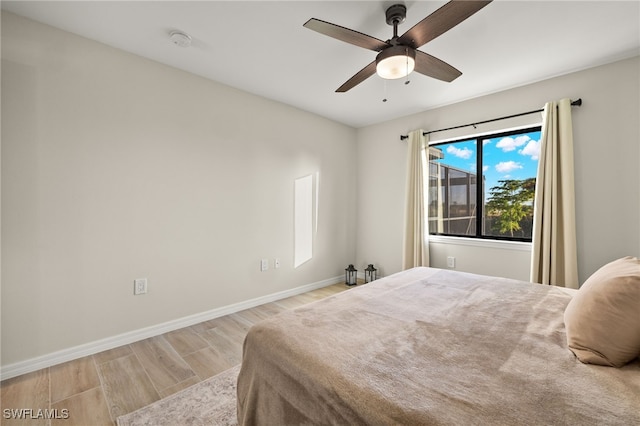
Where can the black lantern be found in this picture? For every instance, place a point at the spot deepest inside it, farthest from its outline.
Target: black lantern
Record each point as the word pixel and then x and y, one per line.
pixel 350 275
pixel 370 273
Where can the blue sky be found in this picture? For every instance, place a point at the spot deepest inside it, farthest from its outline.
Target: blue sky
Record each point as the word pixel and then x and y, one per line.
pixel 510 157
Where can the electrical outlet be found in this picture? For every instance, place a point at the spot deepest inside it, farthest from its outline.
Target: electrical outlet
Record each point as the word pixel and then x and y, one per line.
pixel 139 286
pixel 451 262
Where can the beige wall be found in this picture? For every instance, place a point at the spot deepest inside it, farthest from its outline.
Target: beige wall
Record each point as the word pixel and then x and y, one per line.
pixel 607 139
pixel 115 167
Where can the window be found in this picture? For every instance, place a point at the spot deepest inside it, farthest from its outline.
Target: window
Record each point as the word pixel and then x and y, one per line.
pixel 484 186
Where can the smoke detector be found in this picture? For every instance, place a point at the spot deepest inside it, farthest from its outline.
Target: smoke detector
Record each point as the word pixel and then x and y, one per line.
pixel 180 39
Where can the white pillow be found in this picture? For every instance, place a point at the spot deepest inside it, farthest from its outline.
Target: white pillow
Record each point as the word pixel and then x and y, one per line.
pixel 603 318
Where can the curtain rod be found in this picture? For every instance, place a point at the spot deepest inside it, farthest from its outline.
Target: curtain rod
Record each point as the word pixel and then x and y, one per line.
pixel 577 102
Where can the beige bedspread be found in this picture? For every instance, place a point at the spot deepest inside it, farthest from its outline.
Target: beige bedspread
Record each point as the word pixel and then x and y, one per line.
pixel 429 347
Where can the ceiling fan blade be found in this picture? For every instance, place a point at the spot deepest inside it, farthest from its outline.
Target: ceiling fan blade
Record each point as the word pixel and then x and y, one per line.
pixel 434 67
pixel 345 34
pixel 358 78
pixel 440 21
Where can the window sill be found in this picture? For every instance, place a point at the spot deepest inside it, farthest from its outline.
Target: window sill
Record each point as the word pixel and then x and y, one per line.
pixel 479 242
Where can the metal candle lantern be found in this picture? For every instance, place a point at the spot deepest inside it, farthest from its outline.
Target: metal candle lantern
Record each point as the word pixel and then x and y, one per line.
pixel 350 275
pixel 370 273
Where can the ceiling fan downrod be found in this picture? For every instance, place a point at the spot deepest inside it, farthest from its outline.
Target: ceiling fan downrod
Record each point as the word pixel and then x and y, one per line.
pixel 396 15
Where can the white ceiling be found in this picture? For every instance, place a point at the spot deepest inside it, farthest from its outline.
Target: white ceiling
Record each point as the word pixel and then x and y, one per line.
pixel 261 46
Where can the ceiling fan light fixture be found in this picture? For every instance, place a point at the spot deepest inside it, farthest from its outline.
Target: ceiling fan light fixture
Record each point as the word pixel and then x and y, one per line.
pixel 395 62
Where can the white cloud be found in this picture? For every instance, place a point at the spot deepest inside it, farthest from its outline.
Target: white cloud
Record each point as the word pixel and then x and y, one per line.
pixel 532 149
pixel 508 166
pixel 509 144
pixel 485 168
pixel 464 153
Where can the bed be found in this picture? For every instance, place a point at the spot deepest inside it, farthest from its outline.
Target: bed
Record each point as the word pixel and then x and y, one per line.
pixel 430 347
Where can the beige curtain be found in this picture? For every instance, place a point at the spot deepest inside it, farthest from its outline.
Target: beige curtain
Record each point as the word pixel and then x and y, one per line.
pixel 553 254
pixel 416 245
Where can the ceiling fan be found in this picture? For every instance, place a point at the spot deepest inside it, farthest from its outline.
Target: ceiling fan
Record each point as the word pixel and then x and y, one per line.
pixel 399 56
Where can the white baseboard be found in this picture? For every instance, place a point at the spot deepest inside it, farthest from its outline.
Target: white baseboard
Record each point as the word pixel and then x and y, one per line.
pixel 65 355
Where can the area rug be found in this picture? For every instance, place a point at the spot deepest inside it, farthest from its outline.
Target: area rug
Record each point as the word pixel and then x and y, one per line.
pixel 210 402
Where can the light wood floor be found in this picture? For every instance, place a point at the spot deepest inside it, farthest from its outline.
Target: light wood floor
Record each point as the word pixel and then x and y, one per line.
pixel 97 389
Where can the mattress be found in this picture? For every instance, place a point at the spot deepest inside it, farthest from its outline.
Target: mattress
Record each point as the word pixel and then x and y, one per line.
pixel 429 347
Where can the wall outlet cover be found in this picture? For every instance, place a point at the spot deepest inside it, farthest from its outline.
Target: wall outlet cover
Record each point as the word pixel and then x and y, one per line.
pixel 140 286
